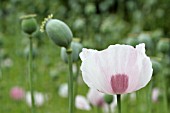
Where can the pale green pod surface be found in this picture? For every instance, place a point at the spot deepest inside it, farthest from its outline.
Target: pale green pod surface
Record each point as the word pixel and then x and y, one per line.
pixel 164 45
pixel 59 32
pixel 76 49
pixel 63 54
pixel 29 25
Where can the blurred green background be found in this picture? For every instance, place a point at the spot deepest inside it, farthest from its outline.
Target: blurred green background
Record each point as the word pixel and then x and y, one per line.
pixel 98 24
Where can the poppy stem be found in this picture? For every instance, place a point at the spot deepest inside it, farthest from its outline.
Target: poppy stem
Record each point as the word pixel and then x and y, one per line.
pixel 30 76
pixel 109 108
pixel 149 97
pixel 70 83
pixel 75 82
pixel 0 68
pixel 165 95
pixel 164 86
pixel 98 109
pixel 119 102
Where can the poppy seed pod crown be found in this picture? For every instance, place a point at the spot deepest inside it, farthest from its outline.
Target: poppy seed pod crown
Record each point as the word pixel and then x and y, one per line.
pixel 59 32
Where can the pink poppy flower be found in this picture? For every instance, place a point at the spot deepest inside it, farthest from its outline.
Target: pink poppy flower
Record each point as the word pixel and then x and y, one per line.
pixel 95 97
pixel 119 69
pixel 17 93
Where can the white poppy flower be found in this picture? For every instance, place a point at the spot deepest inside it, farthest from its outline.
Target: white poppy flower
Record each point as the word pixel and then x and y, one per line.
pixel 119 69
pixel 82 103
pixel 63 90
pixel 39 98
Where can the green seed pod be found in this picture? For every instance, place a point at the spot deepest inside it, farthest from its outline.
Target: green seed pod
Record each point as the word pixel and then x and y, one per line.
pixel 90 8
pixel 156 35
pixel 145 38
pixel 108 99
pixel 29 24
pixel 163 45
pixel 157 67
pixel 76 49
pixel 131 41
pixel 59 32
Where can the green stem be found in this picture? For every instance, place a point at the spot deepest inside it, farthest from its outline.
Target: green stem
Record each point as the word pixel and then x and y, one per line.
pixel 121 7
pixel 164 85
pixel 138 101
pixel 70 83
pixel 30 76
pixel 149 98
pixel 109 108
pixel 165 95
pixel 119 102
pixel 98 109
pixel 75 82
pixel 0 70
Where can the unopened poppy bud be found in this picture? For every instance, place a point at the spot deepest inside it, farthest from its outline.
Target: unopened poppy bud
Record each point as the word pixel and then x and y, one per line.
pixel 59 32
pixel 163 45
pixel 108 98
pixel 156 66
pixel 76 49
pixel 29 24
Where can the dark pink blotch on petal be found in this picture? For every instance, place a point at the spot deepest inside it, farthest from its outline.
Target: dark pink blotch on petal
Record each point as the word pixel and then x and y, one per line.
pixel 119 83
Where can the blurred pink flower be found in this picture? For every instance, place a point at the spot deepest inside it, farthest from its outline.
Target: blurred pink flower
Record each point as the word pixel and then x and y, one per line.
pixel 82 103
pixel 155 94
pixel 17 93
pixel 95 97
pixel 119 69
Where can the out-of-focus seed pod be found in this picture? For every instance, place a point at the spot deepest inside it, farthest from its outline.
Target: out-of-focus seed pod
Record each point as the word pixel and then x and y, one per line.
pixel 108 99
pixel 131 41
pixel 76 49
pixel 90 8
pixel 164 45
pixel 145 38
pixel 59 32
pixel 157 67
pixel 29 24
pixel 156 35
